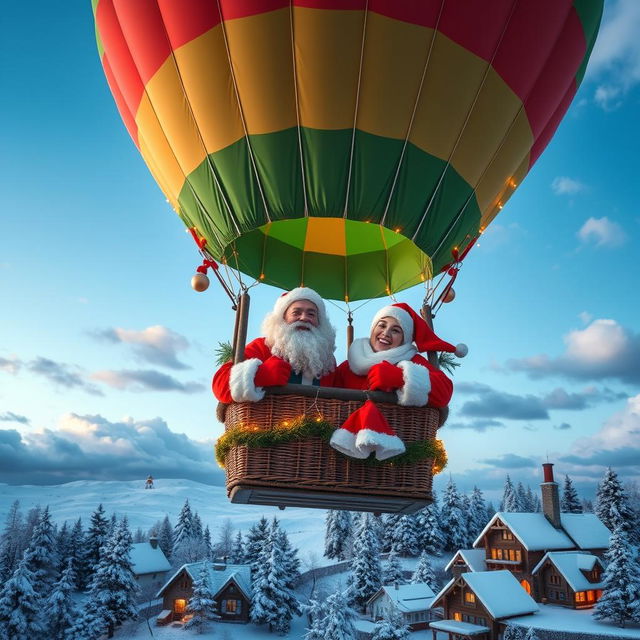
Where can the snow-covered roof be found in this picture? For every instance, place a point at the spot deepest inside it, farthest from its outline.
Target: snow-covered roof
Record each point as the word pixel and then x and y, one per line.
pixel 408 597
pixel 473 558
pixel 219 576
pixel 499 591
pixel 533 530
pixel 570 564
pixel 454 626
pixel 586 529
pixel 146 559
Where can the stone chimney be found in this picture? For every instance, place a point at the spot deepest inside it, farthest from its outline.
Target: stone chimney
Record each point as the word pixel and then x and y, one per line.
pixel 550 496
pixel 153 541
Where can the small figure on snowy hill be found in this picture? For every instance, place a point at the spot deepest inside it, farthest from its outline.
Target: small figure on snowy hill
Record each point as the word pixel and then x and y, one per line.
pixel 297 348
pixel 389 360
pixel 149 482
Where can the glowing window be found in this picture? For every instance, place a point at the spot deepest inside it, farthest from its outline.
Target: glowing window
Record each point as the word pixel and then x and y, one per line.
pixel 179 605
pixel 526 586
pixel 469 597
pixel 581 596
pixel 457 616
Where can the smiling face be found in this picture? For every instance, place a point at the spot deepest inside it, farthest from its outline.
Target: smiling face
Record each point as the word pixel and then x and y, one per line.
pixel 303 311
pixel 386 334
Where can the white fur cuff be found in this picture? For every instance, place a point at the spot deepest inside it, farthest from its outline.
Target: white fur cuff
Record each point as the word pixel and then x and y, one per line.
pixel 344 441
pixel 241 381
pixel 417 385
pixel 385 445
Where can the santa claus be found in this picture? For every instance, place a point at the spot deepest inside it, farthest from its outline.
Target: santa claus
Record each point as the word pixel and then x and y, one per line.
pixel 297 347
pixel 389 360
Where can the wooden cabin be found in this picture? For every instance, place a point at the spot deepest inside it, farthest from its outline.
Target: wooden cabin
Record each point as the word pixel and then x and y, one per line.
pixel 570 579
pixel 466 560
pixel 150 567
pixel 411 601
pixel 476 604
pixel 231 585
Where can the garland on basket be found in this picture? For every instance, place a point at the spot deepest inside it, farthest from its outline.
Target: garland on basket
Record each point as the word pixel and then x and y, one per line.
pixel 304 427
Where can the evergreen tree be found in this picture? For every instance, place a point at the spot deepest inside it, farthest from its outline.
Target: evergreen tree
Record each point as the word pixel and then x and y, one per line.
pixel 337 534
pixel 612 506
pixel 201 605
pixel 63 545
pixel 430 536
pixel 339 623
pixel 255 542
pixel 165 537
pixel 96 536
pixel 32 519
pixel 510 502
pixel 20 606
pixel 405 537
pixel 139 536
pixel 537 505
pixel 225 539
pixel 206 539
pixel 587 505
pixel 290 560
pixel 392 570
pixel 620 599
pixel 531 634
pixel 90 623
pixel 465 505
pixel 366 572
pixel 477 514
pixel 197 531
pixel 237 550
pixel 389 525
pixel 390 627
pixel 513 632
pixel 452 519
pixel 424 573
pixel 41 556
pixel 61 611
pixel 570 503
pixel 316 616
pixel 78 555
pixel 490 511
pixel 522 497
pixel 530 505
pixel 183 530
pixel 10 542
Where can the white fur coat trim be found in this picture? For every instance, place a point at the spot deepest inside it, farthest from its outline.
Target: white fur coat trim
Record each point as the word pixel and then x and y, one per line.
pixel 344 441
pixel 417 385
pixel 385 445
pixel 362 357
pixel 241 381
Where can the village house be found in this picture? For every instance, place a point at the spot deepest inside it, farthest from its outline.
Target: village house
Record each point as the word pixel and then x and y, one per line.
pixel 150 567
pixel 467 560
pixel 477 604
pixel 412 601
pixel 230 583
pixel 569 578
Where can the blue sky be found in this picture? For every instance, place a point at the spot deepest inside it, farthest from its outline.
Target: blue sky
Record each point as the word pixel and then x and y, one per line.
pixel 106 353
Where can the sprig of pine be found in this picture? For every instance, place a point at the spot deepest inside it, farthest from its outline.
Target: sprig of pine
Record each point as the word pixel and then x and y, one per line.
pixel 224 353
pixel 448 362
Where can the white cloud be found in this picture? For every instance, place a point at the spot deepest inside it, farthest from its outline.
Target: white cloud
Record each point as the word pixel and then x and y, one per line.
pixel 585 316
pixel 608 97
pixel 562 185
pixel 144 380
pixel 602 232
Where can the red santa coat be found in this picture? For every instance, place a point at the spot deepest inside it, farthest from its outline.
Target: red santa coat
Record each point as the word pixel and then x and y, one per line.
pixel 423 383
pixel 235 382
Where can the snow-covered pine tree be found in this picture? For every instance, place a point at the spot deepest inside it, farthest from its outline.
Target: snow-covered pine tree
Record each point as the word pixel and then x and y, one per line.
pixel 366 572
pixel 587 505
pixel 20 606
pixel 612 505
pixel 424 573
pixel 339 623
pixel 453 521
pixel 96 536
pixel 165 537
pixel 569 503
pixel 522 497
pixel 184 526
pixel 201 605
pixel 139 536
pixel 63 546
pixel 61 610
pixel 255 541
pixel 392 570
pixel 290 559
pixel 405 539
pixel 620 600
pixel 208 547
pixel 389 524
pixel 197 530
pixel 78 555
pixel 32 519
pixel 531 634
pixel 477 514
pixel 430 536
pixel 41 556
pixel 337 537
pixel 237 550
pixel 513 632
pixel 490 511
pixel 113 590
pixel 390 627
pixel 530 505
pixel 90 622
pixel 224 541
pixel 510 502
pixel 316 614
pixel 10 542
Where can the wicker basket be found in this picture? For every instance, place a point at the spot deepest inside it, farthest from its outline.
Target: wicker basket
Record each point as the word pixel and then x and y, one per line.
pixel 311 473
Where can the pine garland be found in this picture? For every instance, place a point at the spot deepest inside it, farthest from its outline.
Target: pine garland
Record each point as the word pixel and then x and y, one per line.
pixel 305 427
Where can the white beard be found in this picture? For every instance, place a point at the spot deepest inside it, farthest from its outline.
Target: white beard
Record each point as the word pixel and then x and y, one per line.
pixel 308 352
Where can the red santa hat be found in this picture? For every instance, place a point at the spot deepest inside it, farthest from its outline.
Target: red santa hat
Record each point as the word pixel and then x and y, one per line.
pixel 299 293
pixel 416 330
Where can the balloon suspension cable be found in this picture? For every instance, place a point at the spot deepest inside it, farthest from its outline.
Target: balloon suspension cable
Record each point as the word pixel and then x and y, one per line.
pixel 452 269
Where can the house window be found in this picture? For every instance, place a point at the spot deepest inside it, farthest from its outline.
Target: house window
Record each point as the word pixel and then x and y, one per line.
pixel 591 596
pixel 481 621
pixel 581 596
pixel 561 595
pixel 526 586
pixel 179 605
pixel 232 607
pixel 469 598
pixel 185 584
pixel 457 616
pixel 507 535
pixel 553 579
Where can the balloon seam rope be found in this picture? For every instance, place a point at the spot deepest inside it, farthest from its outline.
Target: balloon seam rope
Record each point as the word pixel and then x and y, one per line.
pixel 297 99
pixel 240 110
pixel 355 114
pixel 197 129
pixel 504 139
pixel 175 157
pixel 413 114
pixel 466 121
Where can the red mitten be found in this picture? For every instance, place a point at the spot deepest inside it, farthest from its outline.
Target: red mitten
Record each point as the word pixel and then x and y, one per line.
pixel 273 372
pixel 385 377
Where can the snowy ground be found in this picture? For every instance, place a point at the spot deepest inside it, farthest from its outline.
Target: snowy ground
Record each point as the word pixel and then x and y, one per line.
pixel 577 621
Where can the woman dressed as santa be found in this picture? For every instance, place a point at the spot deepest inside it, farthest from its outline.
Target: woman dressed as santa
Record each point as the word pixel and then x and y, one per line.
pixel 389 360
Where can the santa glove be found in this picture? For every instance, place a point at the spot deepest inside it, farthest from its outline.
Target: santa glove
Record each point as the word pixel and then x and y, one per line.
pixel 273 372
pixel 385 377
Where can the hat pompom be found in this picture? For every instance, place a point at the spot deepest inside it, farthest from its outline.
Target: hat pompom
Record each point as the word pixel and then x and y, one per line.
pixel 461 350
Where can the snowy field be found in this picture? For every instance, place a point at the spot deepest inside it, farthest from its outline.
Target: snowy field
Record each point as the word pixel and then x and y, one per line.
pixel 305 527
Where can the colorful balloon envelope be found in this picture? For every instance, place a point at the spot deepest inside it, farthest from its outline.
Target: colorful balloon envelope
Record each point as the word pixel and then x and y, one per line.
pixel 346 145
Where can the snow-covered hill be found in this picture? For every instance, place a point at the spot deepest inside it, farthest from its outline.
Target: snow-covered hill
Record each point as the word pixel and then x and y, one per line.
pixel 144 507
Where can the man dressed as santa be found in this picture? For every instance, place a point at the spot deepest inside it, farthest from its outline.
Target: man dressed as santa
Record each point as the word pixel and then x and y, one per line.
pixel 297 347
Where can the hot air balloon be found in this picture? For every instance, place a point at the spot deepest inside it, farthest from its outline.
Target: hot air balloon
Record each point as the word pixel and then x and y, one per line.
pixel 357 147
